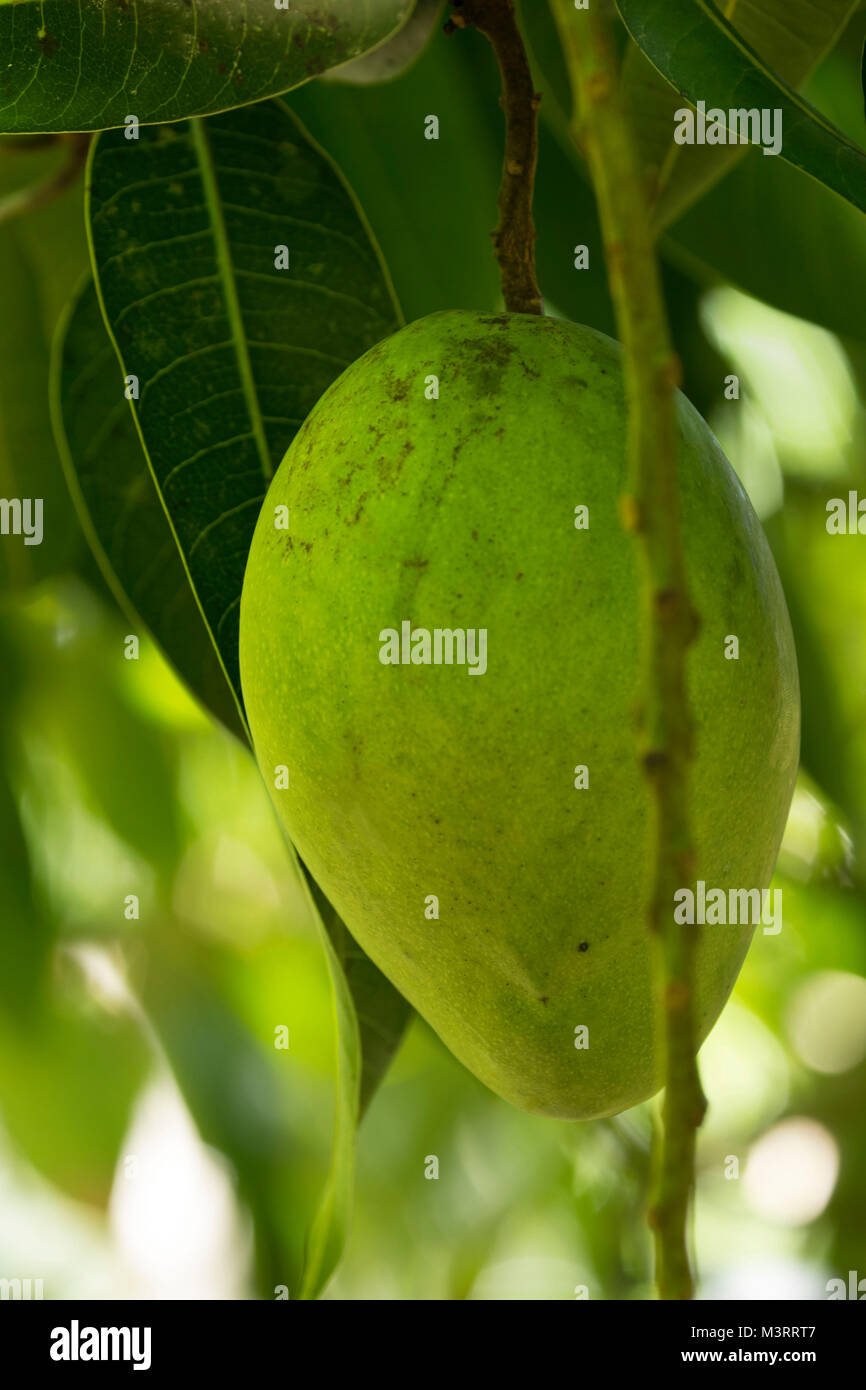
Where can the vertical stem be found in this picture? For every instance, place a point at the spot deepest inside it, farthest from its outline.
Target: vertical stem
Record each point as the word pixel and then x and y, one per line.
pixel 514 238
pixel 669 624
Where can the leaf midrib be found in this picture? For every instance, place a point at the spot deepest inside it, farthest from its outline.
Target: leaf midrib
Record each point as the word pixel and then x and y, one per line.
pixel 225 268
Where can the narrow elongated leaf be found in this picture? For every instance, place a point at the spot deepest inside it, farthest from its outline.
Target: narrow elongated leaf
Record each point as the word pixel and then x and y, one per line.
pixel 327 1234
pixel 791 36
pixel 91 64
pixel 757 230
pixel 118 504
pixel 26 933
pixel 699 53
pixel 229 353
pixel 30 473
pixel 240 1103
pixel 67 1087
pixel 24 936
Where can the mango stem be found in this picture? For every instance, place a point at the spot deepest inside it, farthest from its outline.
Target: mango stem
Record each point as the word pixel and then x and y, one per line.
pixel 514 237
pixel 650 510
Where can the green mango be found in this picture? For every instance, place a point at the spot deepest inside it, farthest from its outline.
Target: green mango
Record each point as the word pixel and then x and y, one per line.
pixel 437 804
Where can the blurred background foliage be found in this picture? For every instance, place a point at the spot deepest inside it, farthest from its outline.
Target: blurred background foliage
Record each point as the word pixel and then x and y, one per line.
pixel 154 1141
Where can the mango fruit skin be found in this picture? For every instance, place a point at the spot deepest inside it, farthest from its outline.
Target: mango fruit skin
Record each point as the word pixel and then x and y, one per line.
pixel 407 781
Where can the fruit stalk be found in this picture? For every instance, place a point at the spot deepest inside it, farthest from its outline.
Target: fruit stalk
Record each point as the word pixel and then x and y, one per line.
pixel 514 237
pixel 650 511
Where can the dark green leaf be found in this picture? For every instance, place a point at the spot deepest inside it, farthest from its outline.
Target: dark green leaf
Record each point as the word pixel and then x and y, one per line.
pixel 758 231
pixel 791 36
pixel 395 56
pixel 119 506
pixel 432 203
pixel 698 52
pixel 90 65
pixel 25 930
pixel 230 353
pixel 24 934
pixel 565 217
pixel 550 72
pixel 30 470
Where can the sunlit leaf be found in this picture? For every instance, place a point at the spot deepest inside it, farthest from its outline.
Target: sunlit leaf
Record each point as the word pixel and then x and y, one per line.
pixel 371 1019
pixel 67 1087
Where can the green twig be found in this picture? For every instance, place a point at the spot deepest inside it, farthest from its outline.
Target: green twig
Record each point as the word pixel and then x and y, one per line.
pixel 514 238
pixel 669 624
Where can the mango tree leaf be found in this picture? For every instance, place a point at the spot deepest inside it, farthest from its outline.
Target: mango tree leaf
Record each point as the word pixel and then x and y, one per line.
pixel 372 1018
pixel 768 249
pixel 238 1099
pixel 26 932
pixel 699 53
pixel 24 936
pixel 52 235
pixel 79 699
pixel 757 231
pixel 791 36
pixel 327 1234
pixel 70 1069
pixel 547 60
pixel 394 57
pixel 90 65
pixel 42 255
pixel 825 582
pixel 67 1086
pixel 29 467
pixel 230 353
pixel 118 504
pixel 431 202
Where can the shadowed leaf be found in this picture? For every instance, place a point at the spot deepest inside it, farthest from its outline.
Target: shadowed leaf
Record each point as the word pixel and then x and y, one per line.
pixel 119 506
pixel 90 65
pixel 704 59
